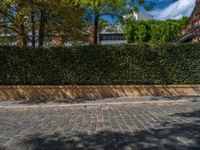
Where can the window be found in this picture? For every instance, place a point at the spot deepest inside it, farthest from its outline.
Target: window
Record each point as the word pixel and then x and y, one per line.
pixel 111 37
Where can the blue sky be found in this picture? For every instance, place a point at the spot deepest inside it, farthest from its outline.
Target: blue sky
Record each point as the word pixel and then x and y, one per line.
pixel 160 4
pixel 170 9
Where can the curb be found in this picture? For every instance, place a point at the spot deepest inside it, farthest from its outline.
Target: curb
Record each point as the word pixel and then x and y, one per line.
pixel 95 104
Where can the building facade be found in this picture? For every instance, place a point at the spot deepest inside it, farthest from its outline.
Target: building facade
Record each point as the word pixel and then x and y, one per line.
pixel 192 30
pixel 112 34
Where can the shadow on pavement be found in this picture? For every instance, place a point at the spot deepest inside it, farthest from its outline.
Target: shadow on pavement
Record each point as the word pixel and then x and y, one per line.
pixel 192 98
pixel 119 99
pixel 38 101
pixel 170 137
pixel 193 114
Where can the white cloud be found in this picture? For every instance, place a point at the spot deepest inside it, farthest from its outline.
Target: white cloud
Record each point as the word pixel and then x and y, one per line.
pixel 175 11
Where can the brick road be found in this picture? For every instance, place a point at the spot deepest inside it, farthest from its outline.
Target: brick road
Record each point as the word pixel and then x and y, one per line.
pixel 124 127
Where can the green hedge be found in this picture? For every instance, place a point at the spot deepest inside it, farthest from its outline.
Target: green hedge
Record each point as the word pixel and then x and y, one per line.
pixel 154 31
pixel 97 65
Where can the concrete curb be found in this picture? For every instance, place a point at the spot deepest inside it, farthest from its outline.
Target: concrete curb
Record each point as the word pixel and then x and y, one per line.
pixel 21 106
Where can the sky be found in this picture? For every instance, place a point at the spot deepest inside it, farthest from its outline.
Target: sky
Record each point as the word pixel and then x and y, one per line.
pixel 168 9
pixel 172 9
pixel 160 4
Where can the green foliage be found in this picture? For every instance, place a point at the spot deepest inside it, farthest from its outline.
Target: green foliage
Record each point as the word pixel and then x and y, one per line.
pixel 102 7
pixel 96 10
pixel 101 65
pixel 151 31
pixel 39 21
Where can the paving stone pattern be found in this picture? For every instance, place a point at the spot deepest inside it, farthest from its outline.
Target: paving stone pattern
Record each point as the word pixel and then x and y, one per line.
pixel 125 127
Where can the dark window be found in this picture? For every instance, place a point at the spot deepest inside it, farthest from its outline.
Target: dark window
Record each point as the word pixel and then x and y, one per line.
pixel 111 37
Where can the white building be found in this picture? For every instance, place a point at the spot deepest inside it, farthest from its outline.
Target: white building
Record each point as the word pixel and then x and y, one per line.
pixel 112 34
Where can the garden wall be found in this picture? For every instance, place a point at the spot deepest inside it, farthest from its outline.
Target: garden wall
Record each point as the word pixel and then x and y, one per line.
pixel 94 92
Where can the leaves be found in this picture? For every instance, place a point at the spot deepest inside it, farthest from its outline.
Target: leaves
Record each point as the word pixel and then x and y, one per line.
pixel 152 31
pixel 61 17
pixel 98 65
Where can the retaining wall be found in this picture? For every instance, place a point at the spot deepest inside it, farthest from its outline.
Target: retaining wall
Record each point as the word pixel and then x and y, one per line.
pixel 95 92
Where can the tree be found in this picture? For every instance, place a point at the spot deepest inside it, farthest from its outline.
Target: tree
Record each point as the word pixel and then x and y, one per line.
pixel 137 5
pixel 114 8
pixel 35 20
pixel 152 31
pixel 98 8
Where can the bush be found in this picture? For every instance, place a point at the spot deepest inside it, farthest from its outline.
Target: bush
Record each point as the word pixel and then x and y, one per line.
pixel 154 31
pixel 101 65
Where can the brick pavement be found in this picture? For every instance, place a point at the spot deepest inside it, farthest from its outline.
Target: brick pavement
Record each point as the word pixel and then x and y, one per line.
pixel 124 127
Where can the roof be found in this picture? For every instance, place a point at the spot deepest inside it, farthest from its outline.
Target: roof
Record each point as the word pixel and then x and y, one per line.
pixel 112 29
pixel 193 33
pixel 192 15
pixel 144 16
pixel 139 16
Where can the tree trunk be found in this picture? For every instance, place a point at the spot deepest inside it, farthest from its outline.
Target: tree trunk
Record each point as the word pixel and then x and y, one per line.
pixel 96 27
pixel 22 25
pixel 23 34
pixel 42 28
pixel 33 26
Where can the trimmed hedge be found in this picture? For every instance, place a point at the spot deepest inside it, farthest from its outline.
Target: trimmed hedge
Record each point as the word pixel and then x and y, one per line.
pixel 101 65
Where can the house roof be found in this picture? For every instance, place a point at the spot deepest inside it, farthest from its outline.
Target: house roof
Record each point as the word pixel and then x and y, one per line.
pixel 144 16
pixel 112 28
pixel 139 16
pixel 192 15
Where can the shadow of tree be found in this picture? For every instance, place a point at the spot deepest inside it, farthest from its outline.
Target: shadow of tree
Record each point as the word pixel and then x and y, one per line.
pixel 43 101
pixel 134 98
pixel 174 136
pixel 189 114
pixel 189 97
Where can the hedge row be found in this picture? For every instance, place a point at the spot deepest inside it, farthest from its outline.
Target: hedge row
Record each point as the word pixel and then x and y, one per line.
pixel 154 31
pixel 101 65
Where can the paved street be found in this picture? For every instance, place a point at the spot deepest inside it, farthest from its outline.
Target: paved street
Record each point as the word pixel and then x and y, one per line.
pixel 126 126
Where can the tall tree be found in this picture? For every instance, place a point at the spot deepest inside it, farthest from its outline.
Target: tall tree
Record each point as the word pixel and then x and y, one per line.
pixel 137 5
pixel 113 8
pixel 99 8
pixel 35 20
